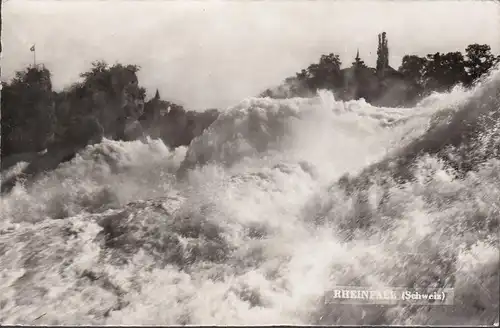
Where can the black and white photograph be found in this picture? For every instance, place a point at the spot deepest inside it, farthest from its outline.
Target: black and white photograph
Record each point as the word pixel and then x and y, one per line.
pixel 274 162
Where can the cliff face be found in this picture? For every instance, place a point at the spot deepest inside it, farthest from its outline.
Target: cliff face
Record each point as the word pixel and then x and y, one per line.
pixel 130 105
pixel 174 125
pixel 105 105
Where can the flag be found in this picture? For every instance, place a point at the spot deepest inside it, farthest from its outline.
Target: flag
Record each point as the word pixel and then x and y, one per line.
pixel 32 48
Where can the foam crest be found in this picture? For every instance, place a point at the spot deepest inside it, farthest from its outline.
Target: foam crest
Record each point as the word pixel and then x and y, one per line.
pixel 100 177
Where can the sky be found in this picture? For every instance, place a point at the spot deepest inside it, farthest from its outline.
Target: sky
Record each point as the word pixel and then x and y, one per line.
pixel 213 54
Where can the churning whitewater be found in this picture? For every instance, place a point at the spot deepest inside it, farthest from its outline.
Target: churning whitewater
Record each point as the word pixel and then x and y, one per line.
pixel 273 206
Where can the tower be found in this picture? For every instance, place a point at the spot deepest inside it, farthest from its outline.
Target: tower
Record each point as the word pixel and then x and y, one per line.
pixel 357 61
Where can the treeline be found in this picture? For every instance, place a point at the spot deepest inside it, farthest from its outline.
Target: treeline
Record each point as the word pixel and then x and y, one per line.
pixel 108 102
pixel 440 71
pixel 415 78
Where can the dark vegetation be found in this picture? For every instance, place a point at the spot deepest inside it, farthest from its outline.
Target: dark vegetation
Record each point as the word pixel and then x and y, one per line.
pixel 44 127
pixel 416 78
pixel 109 102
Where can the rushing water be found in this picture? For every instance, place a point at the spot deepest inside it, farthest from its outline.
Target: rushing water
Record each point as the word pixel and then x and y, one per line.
pixel 248 225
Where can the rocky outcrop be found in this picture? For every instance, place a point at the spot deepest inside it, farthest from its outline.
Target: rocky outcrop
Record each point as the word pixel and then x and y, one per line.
pixel 108 103
pixel 173 124
pixel 180 127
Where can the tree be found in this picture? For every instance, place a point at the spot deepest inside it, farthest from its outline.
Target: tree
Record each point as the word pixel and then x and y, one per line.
pixel 479 60
pixel 382 54
pixel 303 75
pixel 330 62
pixel 443 71
pixel 324 75
pixel 98 67
pixel 28 111
pixel 413 68
pixel 142 93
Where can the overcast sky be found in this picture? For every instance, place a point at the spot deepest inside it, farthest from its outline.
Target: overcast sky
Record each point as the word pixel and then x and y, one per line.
pixel 206 54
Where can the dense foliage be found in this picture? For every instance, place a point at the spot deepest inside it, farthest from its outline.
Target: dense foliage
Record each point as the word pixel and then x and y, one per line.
pixel 107 102
pixel 28 112
pixel 416 77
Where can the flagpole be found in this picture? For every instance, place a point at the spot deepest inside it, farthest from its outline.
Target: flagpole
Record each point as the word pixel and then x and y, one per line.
pixel 34 55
